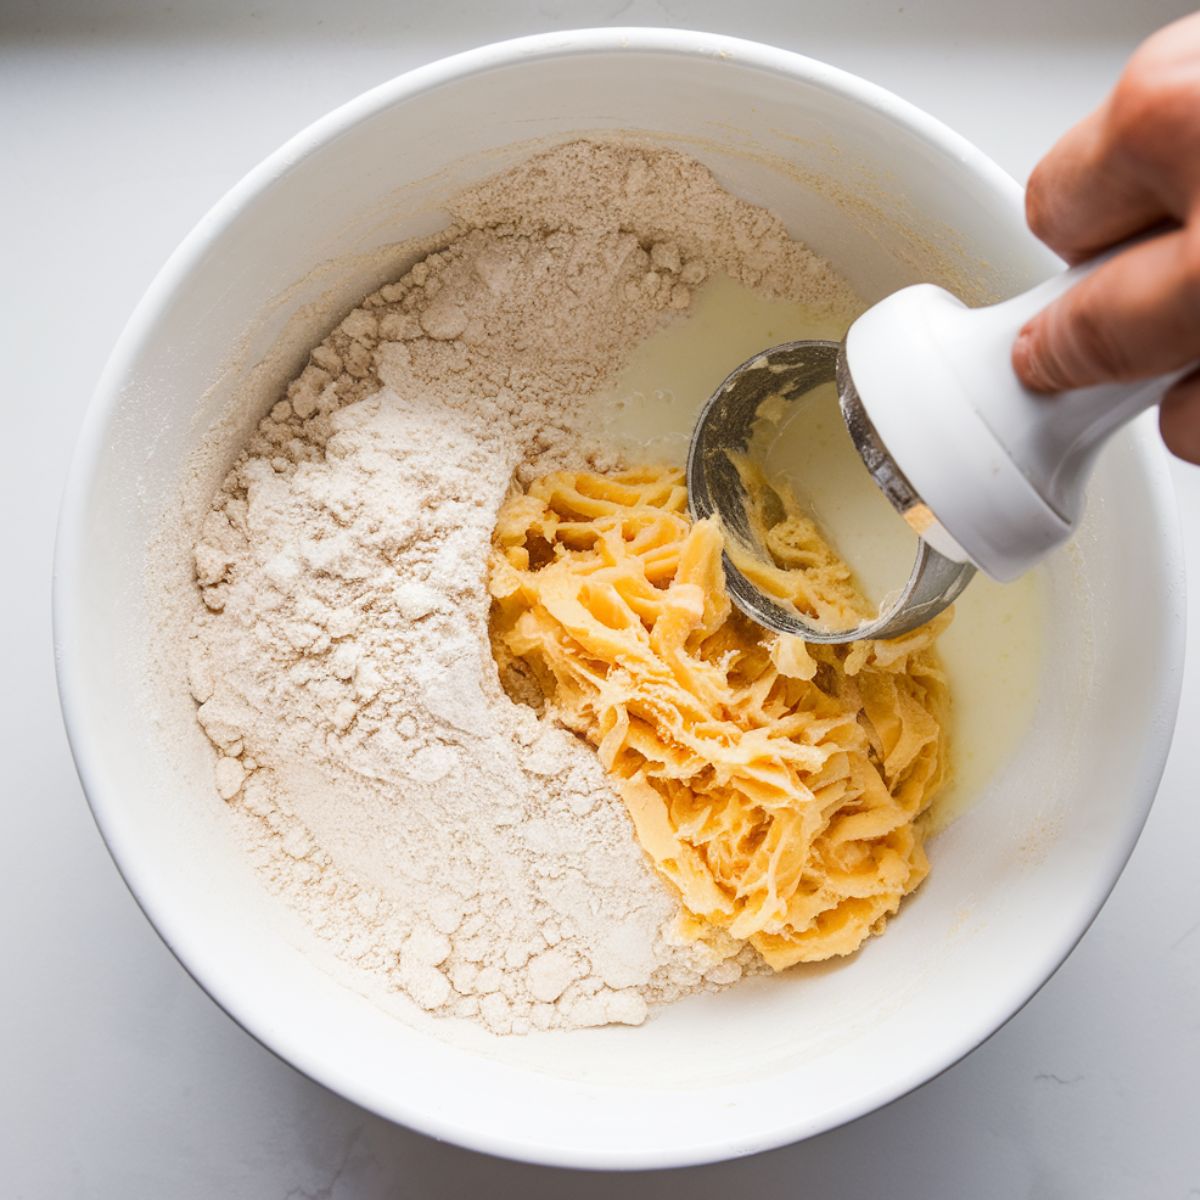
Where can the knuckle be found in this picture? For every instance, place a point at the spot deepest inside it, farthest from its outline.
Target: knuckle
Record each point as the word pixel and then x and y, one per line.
pixel 1155 108
pixel 1081 343
pixel 1095 349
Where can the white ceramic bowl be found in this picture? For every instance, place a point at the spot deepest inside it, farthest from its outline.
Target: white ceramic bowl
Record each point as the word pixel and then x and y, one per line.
pixel 890 196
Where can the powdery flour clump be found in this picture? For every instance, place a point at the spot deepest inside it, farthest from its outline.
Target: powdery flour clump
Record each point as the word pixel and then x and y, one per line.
pixel 439 835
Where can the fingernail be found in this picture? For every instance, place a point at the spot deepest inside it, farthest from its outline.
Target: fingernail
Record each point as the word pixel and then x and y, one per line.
pixel 1025 362
pixel 1020 353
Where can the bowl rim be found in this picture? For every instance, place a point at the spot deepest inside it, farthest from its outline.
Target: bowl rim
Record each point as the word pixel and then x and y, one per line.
pixel 91 445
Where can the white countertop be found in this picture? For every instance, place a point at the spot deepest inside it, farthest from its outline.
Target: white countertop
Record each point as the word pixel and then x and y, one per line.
pixel 122 121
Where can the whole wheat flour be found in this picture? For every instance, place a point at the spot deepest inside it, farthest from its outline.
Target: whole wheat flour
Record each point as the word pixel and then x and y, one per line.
pixel 437 833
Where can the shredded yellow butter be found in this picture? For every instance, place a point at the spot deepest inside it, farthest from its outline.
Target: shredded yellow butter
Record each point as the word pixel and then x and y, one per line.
pixel 776 785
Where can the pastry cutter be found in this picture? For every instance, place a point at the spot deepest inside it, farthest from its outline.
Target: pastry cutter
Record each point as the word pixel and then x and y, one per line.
pixel 988 474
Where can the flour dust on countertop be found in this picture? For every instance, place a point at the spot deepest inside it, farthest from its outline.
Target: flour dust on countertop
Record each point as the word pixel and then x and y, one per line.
pixel 452 843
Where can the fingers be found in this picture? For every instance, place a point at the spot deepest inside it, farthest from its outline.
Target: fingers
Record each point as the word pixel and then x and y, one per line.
pixel 1136 316
pixel 1086 195
pixel 1179 419
pixel 1132 163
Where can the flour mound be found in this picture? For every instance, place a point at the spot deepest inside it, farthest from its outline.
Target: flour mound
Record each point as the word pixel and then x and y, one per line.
pixel 439 836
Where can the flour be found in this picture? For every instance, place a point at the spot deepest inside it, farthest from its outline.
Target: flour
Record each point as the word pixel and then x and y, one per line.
pixel 448 840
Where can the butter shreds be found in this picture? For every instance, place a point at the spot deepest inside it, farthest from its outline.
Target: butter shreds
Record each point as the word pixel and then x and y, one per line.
pixel 777 786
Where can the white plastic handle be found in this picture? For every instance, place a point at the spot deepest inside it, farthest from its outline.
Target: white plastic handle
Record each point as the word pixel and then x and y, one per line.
pixel 1001 470
pixel 1054 439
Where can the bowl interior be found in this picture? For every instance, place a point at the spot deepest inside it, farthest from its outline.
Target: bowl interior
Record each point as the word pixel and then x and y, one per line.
pixel 889 199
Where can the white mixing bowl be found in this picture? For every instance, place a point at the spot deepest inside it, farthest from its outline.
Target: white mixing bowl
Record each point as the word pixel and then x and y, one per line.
pixel 890 196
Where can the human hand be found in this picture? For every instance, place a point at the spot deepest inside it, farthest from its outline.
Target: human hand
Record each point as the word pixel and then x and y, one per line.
pixel 1132 166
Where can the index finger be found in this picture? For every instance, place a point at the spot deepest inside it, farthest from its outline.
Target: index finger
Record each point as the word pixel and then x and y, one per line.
pixel 1133 163
pixel 1085 194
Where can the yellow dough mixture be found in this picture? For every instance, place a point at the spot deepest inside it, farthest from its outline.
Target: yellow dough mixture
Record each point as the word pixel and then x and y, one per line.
pixel 777 786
